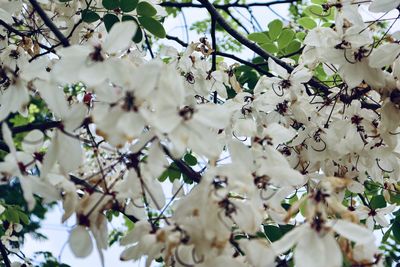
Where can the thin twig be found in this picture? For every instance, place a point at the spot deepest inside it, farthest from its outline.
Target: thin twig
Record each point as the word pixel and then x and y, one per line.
pixel 253 46
pixel 49 23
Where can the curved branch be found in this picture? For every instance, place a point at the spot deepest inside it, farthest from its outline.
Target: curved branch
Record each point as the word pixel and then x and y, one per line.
pixel 236 20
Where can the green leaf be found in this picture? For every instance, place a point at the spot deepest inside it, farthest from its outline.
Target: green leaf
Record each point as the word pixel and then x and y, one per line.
pixel 163 176
pixel 270 48
pixel 259 37
pixel 327 24
pixel 110 4
pixel 186 179
pixel 109 21
pixel 386 235
pixel 307 23
pixel 301 35
pixel 145 9
pixel 293 46
pixel 89 16
pixel 396 230
pixel 275 28
pixel 190 159
pixel 273 232
pixel 12 215
pixel 315 11
pixel 285 37
pixel 378 202
pixel 153 26
pixel 139 34
pixel 173 172
pixel 128 5
pixel 286 228
pixel 23 217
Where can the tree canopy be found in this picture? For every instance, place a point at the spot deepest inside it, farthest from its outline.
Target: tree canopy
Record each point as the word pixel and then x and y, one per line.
pixel 271 142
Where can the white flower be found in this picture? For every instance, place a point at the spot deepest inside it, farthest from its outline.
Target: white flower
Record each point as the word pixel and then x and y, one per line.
pixel 375 215
pixel 315 248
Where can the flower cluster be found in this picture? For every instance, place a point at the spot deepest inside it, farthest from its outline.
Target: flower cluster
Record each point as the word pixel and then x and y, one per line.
pixel 287 154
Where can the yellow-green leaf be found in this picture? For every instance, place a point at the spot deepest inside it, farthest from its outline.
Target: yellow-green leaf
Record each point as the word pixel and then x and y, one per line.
pixel 259 37
pixel 285 37
pixel 275 28
pixel 307 23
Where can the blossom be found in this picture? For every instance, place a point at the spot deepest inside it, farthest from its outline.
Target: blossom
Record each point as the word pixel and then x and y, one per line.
pixel 317 246
pixel 374 215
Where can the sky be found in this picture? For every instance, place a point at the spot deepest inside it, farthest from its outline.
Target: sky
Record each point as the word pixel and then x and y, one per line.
pixel 57 233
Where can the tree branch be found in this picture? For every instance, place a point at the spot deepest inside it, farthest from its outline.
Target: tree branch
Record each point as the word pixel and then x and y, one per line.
pixel 183 167
pixel 214 45
pixel 223 54
pixel 9 28
pixel 253 46
pixel 36 126
pixel 4 255
pixel 49 23
pixel 176 39
pixel 236 20
pixel 85 184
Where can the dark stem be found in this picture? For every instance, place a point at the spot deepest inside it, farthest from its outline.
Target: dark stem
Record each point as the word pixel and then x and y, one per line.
pixel 148 45
pixel 4 255
pixel 49 23
pixel 214 45
pixel 10 29
pixel 236 20
pixel 183 167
